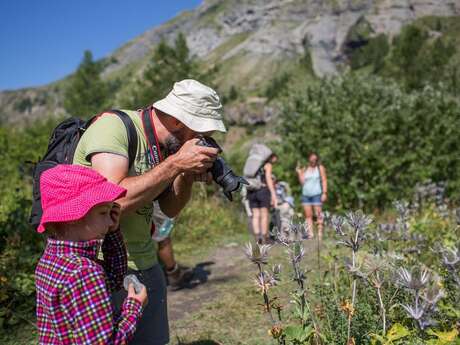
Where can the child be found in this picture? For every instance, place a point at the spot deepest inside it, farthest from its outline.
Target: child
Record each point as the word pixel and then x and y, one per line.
pixel 73 303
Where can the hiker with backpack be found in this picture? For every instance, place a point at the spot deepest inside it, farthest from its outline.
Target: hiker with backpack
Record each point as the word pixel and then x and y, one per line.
pixel 313 180
pixel 284 212
pixel 155 154
pixel 261 194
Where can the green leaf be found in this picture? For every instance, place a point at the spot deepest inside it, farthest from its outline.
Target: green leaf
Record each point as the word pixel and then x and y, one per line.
pixel 397 331
pixel 298 333
pixel 377 337
pixel 293 332
pixel 443 338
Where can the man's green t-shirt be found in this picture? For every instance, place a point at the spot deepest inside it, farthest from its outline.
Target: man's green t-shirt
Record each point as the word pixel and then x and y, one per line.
pixel 108 134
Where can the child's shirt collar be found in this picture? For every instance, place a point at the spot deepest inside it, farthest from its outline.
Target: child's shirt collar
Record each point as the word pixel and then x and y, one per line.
pixel 88 249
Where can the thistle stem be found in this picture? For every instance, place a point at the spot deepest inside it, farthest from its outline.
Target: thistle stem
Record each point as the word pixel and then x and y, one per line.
pixel 353 295
pixel 266 299
pixel 382 309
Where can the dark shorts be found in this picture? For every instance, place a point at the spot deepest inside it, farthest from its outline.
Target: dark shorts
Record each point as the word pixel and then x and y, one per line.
pixel 314 200
pixel 260 198
pixel 153 328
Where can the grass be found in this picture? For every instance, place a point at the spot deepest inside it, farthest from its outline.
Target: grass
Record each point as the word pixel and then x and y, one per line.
pixel 237 316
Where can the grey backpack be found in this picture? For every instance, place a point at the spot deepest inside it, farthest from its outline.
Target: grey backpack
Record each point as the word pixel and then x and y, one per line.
pixel 258 155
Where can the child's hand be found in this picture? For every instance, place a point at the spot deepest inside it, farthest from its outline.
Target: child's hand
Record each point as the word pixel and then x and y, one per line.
pixel 141 296
pixel 115 213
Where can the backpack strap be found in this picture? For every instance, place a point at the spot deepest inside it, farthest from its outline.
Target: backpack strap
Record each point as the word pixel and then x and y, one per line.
pixel 132 134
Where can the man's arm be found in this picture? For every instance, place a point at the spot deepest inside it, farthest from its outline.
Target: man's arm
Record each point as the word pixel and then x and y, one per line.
pixel 174 201
pixel 191 159
pixel 141 189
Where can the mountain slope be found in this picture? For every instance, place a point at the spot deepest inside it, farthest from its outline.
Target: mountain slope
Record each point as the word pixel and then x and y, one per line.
pixel 252 40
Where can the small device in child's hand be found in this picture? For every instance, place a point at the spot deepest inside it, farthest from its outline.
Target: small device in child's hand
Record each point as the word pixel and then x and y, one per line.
pixel 132 279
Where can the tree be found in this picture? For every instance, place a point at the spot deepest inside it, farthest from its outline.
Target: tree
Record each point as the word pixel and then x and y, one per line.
pixel 86 94
pixel 419 60
pixel 169 64
pixel 375 139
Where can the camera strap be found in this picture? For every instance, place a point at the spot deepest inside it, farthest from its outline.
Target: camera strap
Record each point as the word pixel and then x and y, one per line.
pixel 152 139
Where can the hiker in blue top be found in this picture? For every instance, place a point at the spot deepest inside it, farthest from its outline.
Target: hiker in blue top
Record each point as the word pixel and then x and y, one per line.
pixel 314 192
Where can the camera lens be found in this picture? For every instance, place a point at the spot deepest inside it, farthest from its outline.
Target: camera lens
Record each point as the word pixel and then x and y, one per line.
pixel 222 174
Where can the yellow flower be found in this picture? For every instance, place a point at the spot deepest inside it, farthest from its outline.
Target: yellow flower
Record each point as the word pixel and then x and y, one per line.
pixel 347 308
pixel 276 331
pixel 351 341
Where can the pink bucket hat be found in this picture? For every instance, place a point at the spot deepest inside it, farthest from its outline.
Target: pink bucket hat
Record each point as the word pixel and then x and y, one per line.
pixel 68 192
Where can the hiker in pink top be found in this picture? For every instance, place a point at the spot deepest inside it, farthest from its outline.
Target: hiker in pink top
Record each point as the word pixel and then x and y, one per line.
pixel 80 218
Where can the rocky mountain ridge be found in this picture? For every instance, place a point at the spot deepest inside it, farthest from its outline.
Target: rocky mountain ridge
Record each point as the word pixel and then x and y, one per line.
pixel 250 38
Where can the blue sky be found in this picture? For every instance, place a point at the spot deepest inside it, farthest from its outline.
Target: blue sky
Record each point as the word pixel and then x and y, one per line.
pixel 43 40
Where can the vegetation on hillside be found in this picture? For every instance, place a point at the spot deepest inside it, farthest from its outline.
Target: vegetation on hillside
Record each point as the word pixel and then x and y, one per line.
pixel 168 65
pixel 376 140
pixel 388 124
pixel 87 94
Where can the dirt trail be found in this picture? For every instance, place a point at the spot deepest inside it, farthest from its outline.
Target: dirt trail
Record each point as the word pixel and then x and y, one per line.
pixel 223 265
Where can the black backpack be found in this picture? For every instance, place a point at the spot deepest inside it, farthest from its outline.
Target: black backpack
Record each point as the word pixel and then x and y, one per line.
pixel 61 148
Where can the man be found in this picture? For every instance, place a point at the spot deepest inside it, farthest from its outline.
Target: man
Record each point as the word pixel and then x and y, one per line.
pixel 189 110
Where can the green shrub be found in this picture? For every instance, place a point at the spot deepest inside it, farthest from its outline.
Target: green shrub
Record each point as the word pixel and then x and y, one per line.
pixel 417 60
pixel 206 221
pixel 375 140
pixel 20 246
pixel 372 53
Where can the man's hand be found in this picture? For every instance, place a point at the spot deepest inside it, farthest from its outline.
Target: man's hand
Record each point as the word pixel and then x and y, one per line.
pixel 193 159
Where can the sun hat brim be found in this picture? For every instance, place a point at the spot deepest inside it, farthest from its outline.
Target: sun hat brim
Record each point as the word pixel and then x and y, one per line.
pixel 76 208
pixel 194 120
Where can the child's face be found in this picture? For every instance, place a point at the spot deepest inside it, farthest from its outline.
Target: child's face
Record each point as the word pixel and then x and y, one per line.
pixel 98 221
pixel 94 225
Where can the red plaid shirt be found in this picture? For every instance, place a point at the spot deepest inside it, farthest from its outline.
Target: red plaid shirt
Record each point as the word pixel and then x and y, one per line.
pixel 73 302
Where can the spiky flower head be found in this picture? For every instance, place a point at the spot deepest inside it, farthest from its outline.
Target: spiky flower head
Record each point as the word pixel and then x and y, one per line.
pixel 274 277
pixel 415 279
pixel 264 281
pixel 415 312
pixel 374 263
pixel 354 270
pixel 337 223
pixel 433 294
pixel 450 256
pixel 358 220
pixel 258 253
pixel 297 252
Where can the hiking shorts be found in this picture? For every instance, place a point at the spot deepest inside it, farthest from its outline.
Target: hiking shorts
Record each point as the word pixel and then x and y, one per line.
pixel 153 327
pixel 314 200
pixel 260 198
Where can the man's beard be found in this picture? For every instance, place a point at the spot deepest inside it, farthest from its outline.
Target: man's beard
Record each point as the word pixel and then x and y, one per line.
pixel 170 146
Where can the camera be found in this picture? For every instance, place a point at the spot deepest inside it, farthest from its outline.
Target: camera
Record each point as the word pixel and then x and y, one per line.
pixel 222 174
